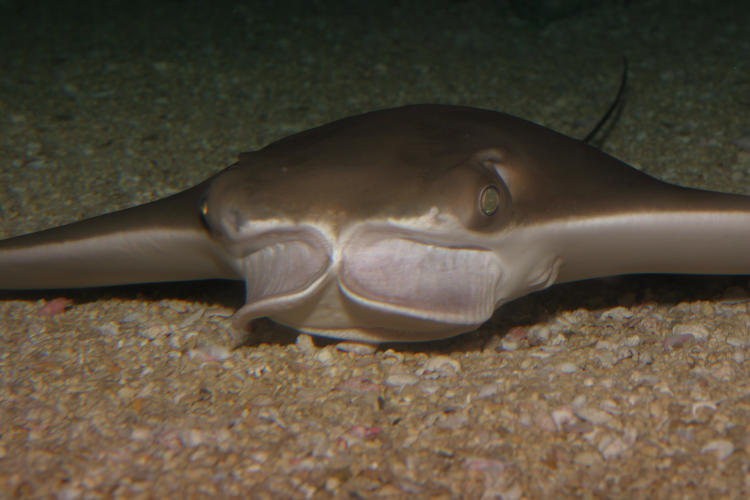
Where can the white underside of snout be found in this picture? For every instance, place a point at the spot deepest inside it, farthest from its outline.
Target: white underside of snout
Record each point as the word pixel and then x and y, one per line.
pixel 378 282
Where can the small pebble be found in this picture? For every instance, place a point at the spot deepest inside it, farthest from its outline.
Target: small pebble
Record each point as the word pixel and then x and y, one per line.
pixel 697 330
pixel 364 432
pixel 263 400
pixel 632 341
pixel 110 329
pixel 429 386
pixel 563 417
pixel 153 332
pixel 618 313
pixel 140 434
pixel 612 447
pixel 594 416
pixel 570 319
pixel 126 393
pixel 539 354
pixel 357 348
pixel 567 367
pixel 513 340
pixel 611 407
pixel 70 493
pixel 558 339
pixel 210 353
pixel 191 319
pixel 440 365
pixel 359 384
pixel 702 405
pixel 676 341
pixel 735 341
pixel 587 458
pixel 510 344
pixel 257 369
pixel 325 357
pixel 451 419
pixel 488 390
pixel 605 345
pixel 55 306
pixel 305 344
pixel 484 464
pixel 391 357
pixel 177 306
pixel 401 380
pixel 721 447
pixel 191 438
pixel 538 334
pixel 218 352
pixel 544 421
pixel 175 342
pixel 332 484
pixel 722 372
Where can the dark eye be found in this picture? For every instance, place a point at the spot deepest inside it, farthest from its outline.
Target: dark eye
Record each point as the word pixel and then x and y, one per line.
pixel 203 211
pixel 489 200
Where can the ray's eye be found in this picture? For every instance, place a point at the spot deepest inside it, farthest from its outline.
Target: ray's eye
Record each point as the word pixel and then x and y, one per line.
pixel 489 200
pixel 203 208
pixel 203 212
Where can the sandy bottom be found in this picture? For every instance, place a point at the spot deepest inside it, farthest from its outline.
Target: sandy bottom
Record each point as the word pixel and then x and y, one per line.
pixel 620 388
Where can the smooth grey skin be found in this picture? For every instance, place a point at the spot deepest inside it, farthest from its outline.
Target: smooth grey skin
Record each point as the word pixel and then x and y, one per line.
pixel 405 224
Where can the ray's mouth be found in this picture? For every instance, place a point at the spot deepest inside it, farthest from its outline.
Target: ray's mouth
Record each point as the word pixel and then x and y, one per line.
pixel 284 270
pixel 381 273
pixel 402 275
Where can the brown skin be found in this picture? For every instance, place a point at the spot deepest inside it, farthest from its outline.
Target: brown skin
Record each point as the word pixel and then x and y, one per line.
pixel 564 211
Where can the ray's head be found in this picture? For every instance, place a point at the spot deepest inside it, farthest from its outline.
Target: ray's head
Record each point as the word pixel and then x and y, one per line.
pixel 388 175
pixel 394 221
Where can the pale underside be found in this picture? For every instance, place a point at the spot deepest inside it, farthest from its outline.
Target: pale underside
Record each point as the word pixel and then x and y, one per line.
pixel 378 282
